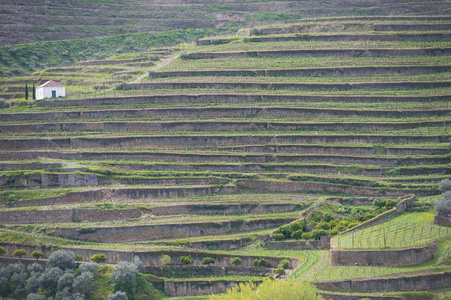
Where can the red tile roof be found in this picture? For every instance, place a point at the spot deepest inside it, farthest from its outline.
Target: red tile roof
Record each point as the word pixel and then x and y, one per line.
pixel 50 83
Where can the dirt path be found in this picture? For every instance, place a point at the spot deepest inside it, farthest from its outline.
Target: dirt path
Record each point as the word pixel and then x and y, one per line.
pixel 163 63
pixel 322 260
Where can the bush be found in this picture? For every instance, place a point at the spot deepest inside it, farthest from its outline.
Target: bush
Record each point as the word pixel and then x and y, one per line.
pixel 259 262
pixel 78 257
pixel 184 54
pixel 443 206
pixel 2 102
pixel 297 235
pixel 165 259
pixel 37 254
pixel 151 57
pixel 445 185
pixel 390 203
pixel 66 281
pixel 271 289
pixel 118 296
pixel 379 202
pixel 62 259
pixel 255 31
pixel 317 234
pixel 124 274
pixel 2 251
pixel 307 236
pixel 208 261
pixel 186 260
pixel 280 271
pixel 236 261
pixel 36 297
pixel 49 279
pixel 285 263
pixel 139 264
pixel 91 266
pixel 98 258
pixel 277 236
pixel 84 283
pixel 19 253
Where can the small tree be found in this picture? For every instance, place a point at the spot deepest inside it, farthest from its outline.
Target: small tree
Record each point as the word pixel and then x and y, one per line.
pixel 186 260
pixel 208 261
pixel 98 258
pixel 37 254
pixel 19 253
pixel 34 92
pixel 62 259
pixel 277 236
pixel 84 283
pixel 2 251
pixel 236 261
pixel 259 262
pixel 379 202
pixel 165 259
pixel 124 273
pixel 443 206
pixel 284 263
pixel 78 257
pixel 139 264
pixel 26 91
pixel 280 271
pixel 91 266
pixel 445 185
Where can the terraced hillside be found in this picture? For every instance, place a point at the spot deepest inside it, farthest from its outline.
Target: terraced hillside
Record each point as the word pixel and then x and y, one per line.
pixel 37 20
pixel 322 148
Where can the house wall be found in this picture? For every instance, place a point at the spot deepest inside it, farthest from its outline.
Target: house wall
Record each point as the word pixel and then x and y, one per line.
pixel 46 92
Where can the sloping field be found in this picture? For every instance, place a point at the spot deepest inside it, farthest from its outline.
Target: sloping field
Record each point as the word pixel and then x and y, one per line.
pixel 321 149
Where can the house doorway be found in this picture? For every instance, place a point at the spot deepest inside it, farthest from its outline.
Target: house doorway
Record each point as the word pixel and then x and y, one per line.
pixel 53 94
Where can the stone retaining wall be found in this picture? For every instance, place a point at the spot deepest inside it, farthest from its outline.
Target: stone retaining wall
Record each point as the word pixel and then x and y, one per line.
pixel 380 257
pixel 289 86
pixel 444 220
pixel 66 216
pixel 120 194
pixel 219 140
pixel 228 98
pixel 202 112
pixel 211 126
pixel 324 53
pixel 329 188
pixel 323 243
pixel 328 296
pixel 346 71
pixel 396 284
pixel 183 288
pixel 166 231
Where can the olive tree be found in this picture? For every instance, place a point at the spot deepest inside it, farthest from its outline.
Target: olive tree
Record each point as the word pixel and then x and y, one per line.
pixel 124 273
pixel 62 259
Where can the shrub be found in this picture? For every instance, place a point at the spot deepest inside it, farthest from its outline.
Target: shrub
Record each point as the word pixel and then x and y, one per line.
pixel 2 251
pixel 19 253
pixel 259 262
pixel 49 279
pixel 124 274
pixel 98 258
pixel 66 281
pixel 297 235
pixel 284 263
pixel 445 185
pixel 236 261
pixel 165 259
pixel 379 202
pixel 245 39
pixel 84 283
pixel 208 261
pixel 307 236
pixel 186 260
pixel 78 257
pixel 2 102
pixel 62 259
pixel 317 234
pixel 184 54
pixel 271 289
pixel 96 86
pixel 390 203
pixel 280 271
pixel 443 206
pixel 150 57
pixel 118 296
pixel 277 236
pixel 91 266
pixel 36 297
pixel 214 41
pixel 37 254
pixel 255 31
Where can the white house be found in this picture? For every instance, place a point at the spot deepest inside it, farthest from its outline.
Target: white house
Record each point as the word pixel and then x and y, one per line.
pixel 50 89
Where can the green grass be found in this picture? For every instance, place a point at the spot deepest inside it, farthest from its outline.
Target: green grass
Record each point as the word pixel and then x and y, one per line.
pixel 406 230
